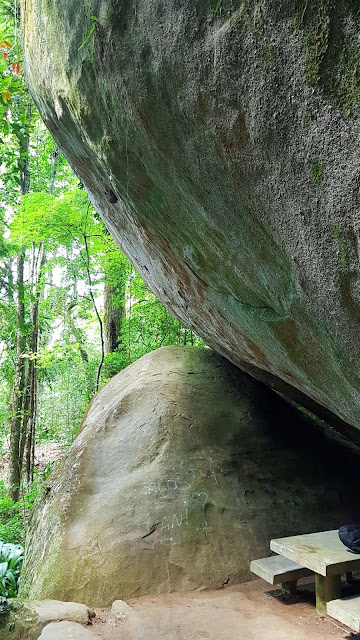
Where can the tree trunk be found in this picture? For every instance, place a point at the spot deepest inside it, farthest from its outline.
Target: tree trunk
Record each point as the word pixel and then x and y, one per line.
pixel 18 392
pixel 101 325
pixel 38 263
pixel 33 348
pixel 54 159
pixel 10 282
pixel 113 315
pixel 78 335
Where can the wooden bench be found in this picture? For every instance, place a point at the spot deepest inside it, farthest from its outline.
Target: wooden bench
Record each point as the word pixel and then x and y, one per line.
pixel 280 570
pixel 346 610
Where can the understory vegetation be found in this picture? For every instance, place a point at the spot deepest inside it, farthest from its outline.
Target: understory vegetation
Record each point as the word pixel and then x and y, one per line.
pixel 11 558
pixel 73 311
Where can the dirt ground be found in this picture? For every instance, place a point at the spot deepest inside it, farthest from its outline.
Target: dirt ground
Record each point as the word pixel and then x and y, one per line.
pixel 45 452
pixel 251 611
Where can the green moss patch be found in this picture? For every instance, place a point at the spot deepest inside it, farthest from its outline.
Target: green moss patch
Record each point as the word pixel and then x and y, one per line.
pixel 331 48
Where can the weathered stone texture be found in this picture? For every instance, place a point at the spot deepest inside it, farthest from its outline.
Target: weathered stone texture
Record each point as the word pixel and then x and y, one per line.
pixel 27 619
pixel 184 470
pixel 220 142
pixel 66 631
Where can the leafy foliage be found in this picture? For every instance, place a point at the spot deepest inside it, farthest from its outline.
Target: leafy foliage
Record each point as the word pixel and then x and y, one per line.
pixel 14 515
pixel 147 324
pixel 67 361
pixel 11 559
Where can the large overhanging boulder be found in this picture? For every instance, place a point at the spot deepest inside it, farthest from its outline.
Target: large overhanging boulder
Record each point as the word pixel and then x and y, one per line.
pixel 184 470
pixel 219 141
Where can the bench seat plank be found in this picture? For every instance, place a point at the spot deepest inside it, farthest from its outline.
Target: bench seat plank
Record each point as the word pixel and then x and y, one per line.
pixel 278 569
pixel 347 611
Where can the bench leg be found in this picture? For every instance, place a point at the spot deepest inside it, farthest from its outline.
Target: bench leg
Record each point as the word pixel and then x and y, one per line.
pixel 326 589
pixel 289 587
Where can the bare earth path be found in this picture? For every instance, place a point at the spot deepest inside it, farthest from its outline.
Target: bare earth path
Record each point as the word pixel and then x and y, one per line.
pixel 251 611
pixel 45 453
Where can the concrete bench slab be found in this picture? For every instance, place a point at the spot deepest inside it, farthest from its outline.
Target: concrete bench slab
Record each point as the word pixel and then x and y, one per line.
pixel 347 611
pixel 322 552
pixel 278 569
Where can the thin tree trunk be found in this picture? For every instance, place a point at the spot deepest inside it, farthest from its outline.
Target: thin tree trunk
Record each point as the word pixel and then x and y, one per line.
pixel 28 383
pixel 34 345
pixel 18 391
pixel 24 155
pixel 28 432
pixel 38 263
pixel 26 407
pixel 10 282
pixel 17 400
pixel 76 331
pixel 54 159
pixel 101 326
pixel 78 335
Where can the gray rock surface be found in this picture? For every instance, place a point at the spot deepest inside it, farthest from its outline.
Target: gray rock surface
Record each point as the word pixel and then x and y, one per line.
pixel 66 631
pixel 184 470
pixel 120 610
pixel 219 141
pixel 28 618
pixel 56 610
pixel 122 616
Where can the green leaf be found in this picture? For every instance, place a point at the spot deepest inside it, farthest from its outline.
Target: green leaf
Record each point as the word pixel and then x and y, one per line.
pixel 89 33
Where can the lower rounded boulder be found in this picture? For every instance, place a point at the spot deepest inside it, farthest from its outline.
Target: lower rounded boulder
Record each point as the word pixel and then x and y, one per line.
pixel 66 631
pixel 184 469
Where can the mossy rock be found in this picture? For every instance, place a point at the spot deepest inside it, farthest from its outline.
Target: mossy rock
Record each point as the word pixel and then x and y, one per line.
pixel 219 140
pixel 184 470
pixel 26 619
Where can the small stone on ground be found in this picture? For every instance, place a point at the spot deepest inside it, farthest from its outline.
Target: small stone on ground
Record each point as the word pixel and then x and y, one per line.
pixel 120 609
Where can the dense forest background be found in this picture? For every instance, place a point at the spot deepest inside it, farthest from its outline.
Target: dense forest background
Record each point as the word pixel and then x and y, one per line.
pixel 73 312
